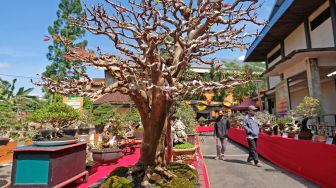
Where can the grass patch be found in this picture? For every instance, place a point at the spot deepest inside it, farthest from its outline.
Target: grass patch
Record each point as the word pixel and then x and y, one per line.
pixel 184 145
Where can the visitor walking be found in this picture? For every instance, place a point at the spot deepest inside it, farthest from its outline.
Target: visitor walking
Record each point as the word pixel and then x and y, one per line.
pixel 221 129
pixel 252 131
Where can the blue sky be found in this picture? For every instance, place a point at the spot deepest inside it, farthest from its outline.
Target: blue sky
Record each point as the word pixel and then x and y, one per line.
pixel 23 23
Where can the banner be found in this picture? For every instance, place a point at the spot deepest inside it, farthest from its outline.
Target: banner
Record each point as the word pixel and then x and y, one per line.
pixel 74 102
pixel 282 99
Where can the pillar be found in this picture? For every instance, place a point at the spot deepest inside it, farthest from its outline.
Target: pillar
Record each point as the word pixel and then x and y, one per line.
pixel 313 78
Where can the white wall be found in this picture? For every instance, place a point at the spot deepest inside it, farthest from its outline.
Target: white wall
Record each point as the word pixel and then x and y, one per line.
pixel 296 40
pixel 328 101
pixel 297 96
pixel 294 69
pixel 273 81
pixel 272 63
pixel 322 36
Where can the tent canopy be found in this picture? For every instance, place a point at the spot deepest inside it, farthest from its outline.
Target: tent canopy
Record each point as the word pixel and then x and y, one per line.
pixel 244 105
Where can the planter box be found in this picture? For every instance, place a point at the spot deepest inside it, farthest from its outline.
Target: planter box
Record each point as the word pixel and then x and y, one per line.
pixel 53 166
pixel 107 157
pixel 186 155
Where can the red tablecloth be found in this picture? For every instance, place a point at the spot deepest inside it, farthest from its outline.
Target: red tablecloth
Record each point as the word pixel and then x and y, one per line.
pixel 201 129
pixel 311 160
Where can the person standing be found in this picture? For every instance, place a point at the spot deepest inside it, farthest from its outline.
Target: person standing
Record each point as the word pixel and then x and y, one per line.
pixel 252 131
pixel 221 129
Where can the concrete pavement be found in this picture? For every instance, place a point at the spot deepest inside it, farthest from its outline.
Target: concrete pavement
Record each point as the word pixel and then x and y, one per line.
pixel 233 172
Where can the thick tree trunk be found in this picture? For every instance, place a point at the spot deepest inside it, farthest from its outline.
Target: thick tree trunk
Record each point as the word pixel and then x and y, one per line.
pixel 152 148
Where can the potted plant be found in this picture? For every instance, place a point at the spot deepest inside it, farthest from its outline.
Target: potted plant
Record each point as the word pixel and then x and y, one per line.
pixel 55 117
pixel 108 151
pixel 309 108
pixel 182 150
pixel 186 114
pixel 322 133
pixel 266 121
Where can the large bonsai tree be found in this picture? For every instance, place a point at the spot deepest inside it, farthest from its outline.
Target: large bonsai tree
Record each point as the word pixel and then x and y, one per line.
pixel 153 78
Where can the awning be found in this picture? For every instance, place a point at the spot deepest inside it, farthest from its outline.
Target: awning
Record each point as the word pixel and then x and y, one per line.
pixel 245 104
pixel 284 21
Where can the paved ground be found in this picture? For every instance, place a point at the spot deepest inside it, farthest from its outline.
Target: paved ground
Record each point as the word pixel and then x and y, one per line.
pixel 5 174
pixel 234 172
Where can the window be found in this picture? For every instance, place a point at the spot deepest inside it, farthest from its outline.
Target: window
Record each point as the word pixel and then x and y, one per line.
pixel 320 19
pixel 274 56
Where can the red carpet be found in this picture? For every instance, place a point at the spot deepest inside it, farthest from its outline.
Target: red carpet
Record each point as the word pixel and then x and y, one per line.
pixel 104 171
pixel 128 160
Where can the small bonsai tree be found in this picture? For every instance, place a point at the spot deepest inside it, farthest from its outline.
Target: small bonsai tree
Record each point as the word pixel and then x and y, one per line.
pixel 58 115
pixel 308 108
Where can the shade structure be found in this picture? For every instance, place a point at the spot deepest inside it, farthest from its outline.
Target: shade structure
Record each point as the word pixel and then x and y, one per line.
pixel 244 105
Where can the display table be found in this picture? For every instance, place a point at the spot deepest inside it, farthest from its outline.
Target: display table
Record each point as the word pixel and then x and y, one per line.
pixel 311 160
pixel 53 166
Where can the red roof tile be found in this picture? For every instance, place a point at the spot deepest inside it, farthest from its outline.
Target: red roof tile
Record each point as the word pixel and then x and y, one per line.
pixel 114 98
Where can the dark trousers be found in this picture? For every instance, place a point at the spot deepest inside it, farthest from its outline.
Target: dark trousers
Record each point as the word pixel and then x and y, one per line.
pixel 253 155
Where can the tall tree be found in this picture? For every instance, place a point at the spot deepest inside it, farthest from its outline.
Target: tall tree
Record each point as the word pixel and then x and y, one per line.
pixel 61 27
pixel 188 29
pixel 249 90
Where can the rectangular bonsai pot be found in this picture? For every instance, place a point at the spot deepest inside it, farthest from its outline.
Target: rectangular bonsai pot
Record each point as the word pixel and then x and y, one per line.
pixel 52 166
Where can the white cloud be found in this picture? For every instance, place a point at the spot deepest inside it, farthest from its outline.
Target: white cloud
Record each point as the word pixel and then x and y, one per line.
pixel 4 65
pixel 241 58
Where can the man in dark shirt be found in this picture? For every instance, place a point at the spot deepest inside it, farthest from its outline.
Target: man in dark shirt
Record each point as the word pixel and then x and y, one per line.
pixel 221 129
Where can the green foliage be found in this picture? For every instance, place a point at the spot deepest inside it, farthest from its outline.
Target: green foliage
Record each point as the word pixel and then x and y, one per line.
pixel 87 103
pixel 62 27
pixel 117 182
pixel 187 115
pixel 7 118
pixel 181 182
pixel 184 171
pixel 308 108
pixel 184 145
pixel 103 113
pixel 87 118
pixel 283 120
pixel 132 116
pixel 240 92
pixel 58 114
pixel 120 172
